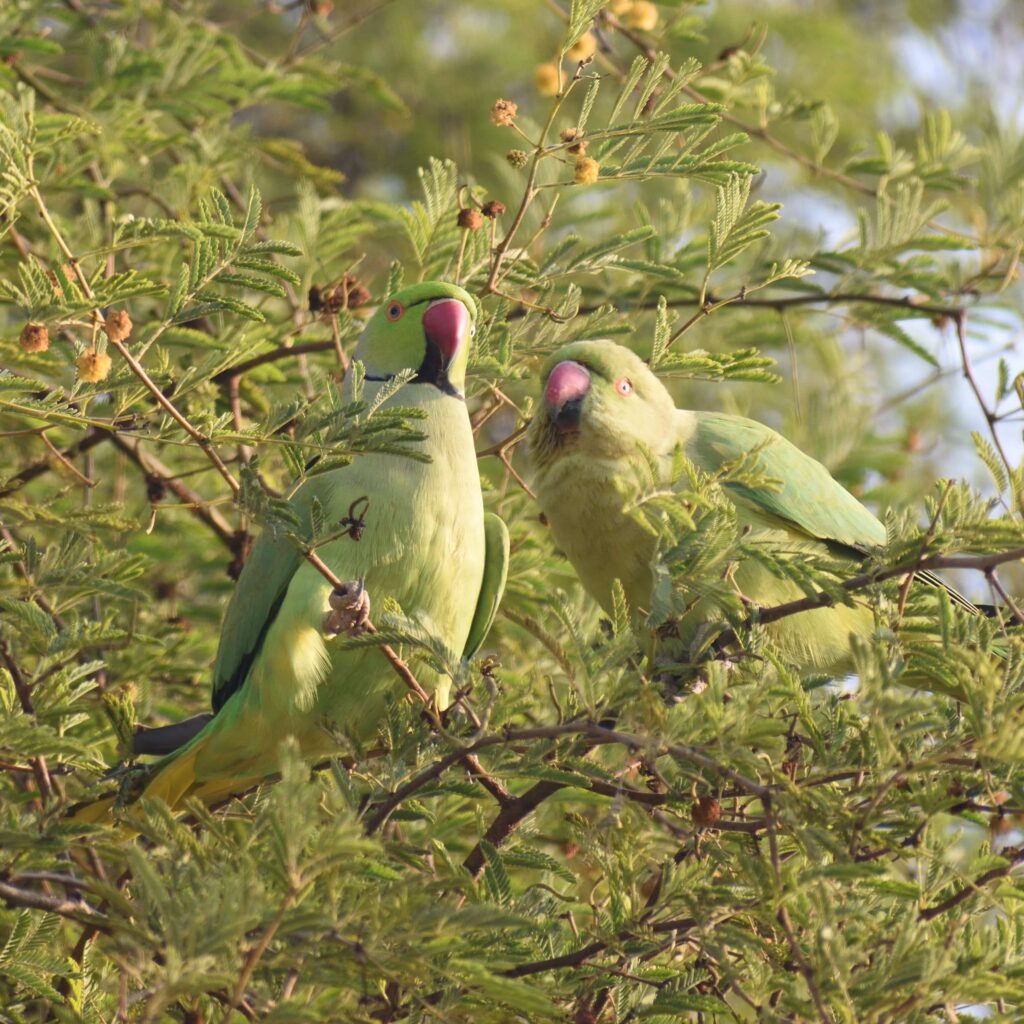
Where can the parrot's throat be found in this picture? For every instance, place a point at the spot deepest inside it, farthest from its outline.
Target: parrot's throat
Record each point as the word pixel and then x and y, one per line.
pixel 439 379
pixel 433 371
pixel 564 423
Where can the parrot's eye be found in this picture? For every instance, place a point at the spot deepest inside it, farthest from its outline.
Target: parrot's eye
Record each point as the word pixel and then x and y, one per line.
pixel 624 386
pixel 472 331
pixel 395 311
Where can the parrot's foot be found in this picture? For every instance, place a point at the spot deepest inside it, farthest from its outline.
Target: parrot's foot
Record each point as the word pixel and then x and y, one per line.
pixel 350 609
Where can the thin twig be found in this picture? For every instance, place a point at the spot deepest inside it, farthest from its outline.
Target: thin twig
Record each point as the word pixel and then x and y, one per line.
pixel 823 599
pixel 783 915
pixel 257 952
pixel 204 442
pixel 925 541
pixel 972 888
pixel 990 418
pixel 76 910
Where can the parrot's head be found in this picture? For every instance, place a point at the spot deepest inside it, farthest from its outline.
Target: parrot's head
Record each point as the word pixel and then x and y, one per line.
pixel 427 328
pixel 598 399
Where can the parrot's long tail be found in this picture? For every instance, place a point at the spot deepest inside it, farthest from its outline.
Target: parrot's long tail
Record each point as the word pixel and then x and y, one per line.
pixel 94 812
pixel 170 782
pixel 173 779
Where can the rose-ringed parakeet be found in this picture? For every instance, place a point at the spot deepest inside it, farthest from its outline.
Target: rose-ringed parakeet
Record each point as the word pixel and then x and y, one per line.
pixel 608 432
pixel 426 543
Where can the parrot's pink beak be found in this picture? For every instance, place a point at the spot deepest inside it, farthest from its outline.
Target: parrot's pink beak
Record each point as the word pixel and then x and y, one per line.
pixel 567 385
pixel 446 325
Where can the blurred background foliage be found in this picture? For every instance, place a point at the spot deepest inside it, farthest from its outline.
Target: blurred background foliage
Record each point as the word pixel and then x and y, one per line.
pixel 207 165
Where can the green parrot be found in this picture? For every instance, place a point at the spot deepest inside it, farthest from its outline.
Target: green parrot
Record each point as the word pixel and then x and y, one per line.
pixel 427 544
pixel 607 420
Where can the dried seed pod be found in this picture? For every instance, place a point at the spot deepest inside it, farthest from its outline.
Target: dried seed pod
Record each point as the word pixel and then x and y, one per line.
pixel 349 293
pixel 493 208
pixel 357 294
pixel 706 811
pixel 34 338
pixel 503 113
pixel 155 488
pixel 118 325
pixel 575 136
pixel 470 219
pixel 518 158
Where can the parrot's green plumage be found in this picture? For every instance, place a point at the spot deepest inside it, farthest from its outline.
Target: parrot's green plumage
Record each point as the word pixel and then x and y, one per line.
pixel 427 544
pixel 606 419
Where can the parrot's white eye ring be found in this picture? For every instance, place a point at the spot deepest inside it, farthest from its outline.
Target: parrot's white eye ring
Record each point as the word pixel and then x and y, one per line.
pixel 395 311
pixel 624 386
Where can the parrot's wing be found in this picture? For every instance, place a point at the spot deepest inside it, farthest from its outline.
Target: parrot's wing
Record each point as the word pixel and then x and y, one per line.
pixel 258 597
pixel 803 492
pixel 493 585
pixel 805 496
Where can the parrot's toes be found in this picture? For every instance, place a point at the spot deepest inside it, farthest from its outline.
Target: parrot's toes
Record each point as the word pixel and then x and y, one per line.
pixel 350 609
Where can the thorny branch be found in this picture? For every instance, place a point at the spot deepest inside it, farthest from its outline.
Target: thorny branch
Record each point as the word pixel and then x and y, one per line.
pixel 823 599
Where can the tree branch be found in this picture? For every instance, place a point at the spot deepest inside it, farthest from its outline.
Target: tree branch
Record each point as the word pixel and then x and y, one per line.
pixel 972 888
pixel 983 563
pixel 76 910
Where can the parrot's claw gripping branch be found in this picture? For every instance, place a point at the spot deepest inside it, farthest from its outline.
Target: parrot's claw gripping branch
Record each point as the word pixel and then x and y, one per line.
pixel 350 609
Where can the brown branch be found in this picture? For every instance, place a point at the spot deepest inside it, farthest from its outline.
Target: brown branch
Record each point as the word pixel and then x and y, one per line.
pixel 66 463
pixel 168 406
pixel 514 809
pixel 555 963
pixel 136 367
pixel 983 563
pixel 509 819
pixel 925 541
pixel 76 910
pixel 416 783
pixel 44 465
pixel 909 302
pixel 929 913
pixel 990 417
pixel 802 962
pixel 275 354
pixel 495 788
pixel 152 466
pixel 993 579
pixel 257 952
pixel 24 691
pixel 529 193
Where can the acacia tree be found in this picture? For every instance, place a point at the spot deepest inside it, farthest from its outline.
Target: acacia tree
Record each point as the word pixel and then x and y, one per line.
pixel 185 270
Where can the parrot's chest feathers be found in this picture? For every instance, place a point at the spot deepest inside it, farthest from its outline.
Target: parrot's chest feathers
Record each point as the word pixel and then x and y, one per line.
pixel 425 519
pixel 590 506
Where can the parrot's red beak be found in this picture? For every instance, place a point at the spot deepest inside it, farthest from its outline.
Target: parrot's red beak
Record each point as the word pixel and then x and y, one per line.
pixel 567 385
pixel 446 325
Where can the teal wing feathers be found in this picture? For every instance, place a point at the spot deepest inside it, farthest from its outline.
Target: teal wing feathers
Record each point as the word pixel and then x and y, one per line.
pixel 493 585
pixel 805 496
